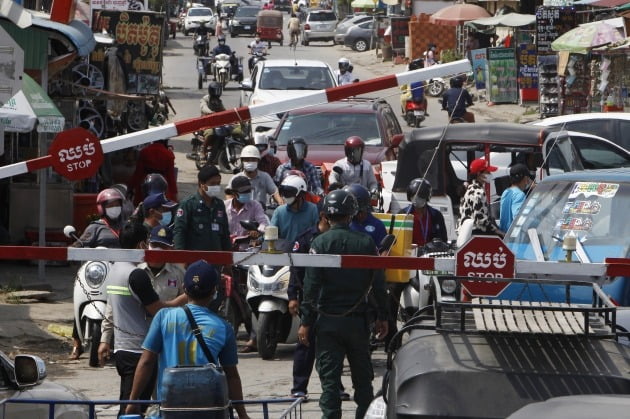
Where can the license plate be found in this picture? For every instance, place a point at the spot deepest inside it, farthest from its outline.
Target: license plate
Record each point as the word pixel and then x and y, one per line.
pixel 247 27
pixel 418 113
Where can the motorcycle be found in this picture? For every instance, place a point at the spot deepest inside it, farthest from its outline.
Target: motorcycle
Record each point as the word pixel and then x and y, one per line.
pixel 268 299
pixel 223 71
pixel 415 109
pixel 90 301
pixel 257 56
pixel 229 140
pixel 436 87
pixel 201 45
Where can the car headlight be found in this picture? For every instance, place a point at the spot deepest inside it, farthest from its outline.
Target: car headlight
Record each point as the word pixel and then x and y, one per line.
pixel 448 286
pixel 235 22
pixel 95 273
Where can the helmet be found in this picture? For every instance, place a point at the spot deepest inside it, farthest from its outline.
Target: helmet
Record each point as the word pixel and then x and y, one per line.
pixel 354 149
pixel 416 64
pixel 294 172
pixel 154 183
pixel 457 81
pixel 361 194
pixel 250 151
pixel 419 188
pixel 221 38
pixel 292 186
pixel 214 89
pixel 106 196
pixel 340 202
pixel 344 64
pixel 297 149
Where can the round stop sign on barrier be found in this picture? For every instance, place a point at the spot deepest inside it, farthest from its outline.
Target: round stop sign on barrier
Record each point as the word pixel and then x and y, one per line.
pixel 485 257
pixel 76 154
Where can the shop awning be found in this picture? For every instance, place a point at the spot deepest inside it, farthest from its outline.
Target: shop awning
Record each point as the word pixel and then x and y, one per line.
pixel 609 3
pixel 30 105
pixel 511 20
pixel 76 31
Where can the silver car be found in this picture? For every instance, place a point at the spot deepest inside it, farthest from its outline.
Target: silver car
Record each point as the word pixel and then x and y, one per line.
pixel 319 26
pixel 346 24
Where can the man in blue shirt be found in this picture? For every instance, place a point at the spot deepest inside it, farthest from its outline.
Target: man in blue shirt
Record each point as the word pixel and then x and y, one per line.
pixel 513 197
pixel 364 221
pixel 297 214
pixel 170 341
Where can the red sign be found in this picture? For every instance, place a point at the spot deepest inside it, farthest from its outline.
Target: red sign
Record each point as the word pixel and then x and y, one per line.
pixel 484 257
pixel 76 154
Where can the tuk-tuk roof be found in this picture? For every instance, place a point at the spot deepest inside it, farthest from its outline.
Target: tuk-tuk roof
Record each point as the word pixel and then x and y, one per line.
pixel 271 13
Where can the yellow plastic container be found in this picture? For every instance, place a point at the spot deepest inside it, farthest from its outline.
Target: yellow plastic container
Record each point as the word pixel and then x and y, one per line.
pixel 403 230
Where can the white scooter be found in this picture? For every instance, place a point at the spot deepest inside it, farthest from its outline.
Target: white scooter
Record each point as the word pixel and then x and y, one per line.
pixel 90 301
pixel 267 296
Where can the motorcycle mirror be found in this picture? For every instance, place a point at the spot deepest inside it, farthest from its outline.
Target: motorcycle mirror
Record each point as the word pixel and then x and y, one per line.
pixel 70 232
pixel 387 242
pixel 250 225
pixel 337 170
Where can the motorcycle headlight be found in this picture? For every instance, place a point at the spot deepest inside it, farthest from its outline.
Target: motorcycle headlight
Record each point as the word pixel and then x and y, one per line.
pixel 283 283
pixel 449 286
pixel 252 284
pixel 95 273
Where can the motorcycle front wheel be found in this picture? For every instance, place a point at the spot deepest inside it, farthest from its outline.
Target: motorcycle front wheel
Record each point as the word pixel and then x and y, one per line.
pixel 94 341
pixel 223 79
pixel 225 165
pixel 267 337
pixel 435 89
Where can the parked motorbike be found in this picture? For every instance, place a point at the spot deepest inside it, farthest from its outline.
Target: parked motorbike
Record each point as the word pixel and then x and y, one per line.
pixel 90 300
pixel 268 299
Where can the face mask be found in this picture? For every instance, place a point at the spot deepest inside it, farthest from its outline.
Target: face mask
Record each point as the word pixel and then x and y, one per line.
pixel 487 177
pixel 166 218
pixel 244 198
pixel 419 202
pixel 213 191
pixel 257 40
pixel 113 212
pixel 290 200
pixel 250 166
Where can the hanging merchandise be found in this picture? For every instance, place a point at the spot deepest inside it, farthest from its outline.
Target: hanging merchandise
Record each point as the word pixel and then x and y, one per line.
pixel 574 83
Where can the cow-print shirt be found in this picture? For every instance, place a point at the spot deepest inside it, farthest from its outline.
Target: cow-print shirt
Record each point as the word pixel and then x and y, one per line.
pixel 475 206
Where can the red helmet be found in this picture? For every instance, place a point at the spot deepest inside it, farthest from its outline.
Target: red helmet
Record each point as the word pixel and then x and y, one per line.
pixel 105 196
pixel 354 149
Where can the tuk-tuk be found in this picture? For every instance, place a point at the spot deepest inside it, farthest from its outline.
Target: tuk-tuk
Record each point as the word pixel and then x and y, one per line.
pixel 228 8
pixel 269 24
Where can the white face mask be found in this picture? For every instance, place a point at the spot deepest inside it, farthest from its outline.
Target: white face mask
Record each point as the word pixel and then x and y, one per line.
pixel 290 200
pixel 487 177
pixel 250 166
pixel 113 212
pixel 213 191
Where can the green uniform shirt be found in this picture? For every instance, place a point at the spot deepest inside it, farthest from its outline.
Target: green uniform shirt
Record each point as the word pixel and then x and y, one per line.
pixel 201 227
pixel 337 290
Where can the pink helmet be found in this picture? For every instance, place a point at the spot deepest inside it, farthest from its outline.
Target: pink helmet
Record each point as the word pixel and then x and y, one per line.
pixel 105 196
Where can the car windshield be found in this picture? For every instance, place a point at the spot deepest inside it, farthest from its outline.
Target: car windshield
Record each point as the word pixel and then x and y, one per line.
pixel 246 12
pixel 322 17
pixel 594 212
pixel 296 78
pixel 330 128
pixel 200 12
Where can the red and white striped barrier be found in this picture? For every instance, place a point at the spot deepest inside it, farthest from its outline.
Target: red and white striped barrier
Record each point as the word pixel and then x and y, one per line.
pixel 246 113
pixel 612 267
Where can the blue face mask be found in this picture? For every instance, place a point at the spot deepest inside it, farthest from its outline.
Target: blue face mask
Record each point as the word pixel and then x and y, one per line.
pixel 166 218
pixel 244 198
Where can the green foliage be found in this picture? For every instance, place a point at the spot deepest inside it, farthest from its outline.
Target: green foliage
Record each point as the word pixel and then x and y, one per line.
pixel 448 55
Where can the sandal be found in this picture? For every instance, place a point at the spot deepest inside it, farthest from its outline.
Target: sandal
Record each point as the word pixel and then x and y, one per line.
pixel 76 352
pixel 248 349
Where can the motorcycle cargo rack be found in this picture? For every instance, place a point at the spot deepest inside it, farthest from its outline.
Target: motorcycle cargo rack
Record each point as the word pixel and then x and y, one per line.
pixel 497 316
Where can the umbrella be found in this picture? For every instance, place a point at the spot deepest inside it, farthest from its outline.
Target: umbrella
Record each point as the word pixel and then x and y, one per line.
pixel 581 39
pixel 457 14
pixel 29 105
pixel 364 4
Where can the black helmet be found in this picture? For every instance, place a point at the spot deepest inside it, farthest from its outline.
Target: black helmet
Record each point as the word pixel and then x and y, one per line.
pixel 221 38
pixel 297 149
pixel 457 81
pixel 340 202
pixel 214 89
pixel 154 183
pixel 361 194
pixel 416 64
pixel 419 188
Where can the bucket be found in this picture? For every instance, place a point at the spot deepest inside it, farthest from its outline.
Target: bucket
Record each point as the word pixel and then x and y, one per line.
pixel 194 392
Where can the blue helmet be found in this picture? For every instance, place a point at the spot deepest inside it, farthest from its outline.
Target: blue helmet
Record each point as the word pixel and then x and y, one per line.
pixel 361 194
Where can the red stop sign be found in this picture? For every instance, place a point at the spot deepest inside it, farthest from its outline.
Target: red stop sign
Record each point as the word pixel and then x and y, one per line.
pixel 76 154
pixel 484 257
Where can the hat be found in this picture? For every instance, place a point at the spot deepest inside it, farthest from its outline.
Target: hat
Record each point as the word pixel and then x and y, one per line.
pixel 156 201
pixel 200 278
pixel 519 171
pixel 162 235
pixel 481 165
pixel 240 184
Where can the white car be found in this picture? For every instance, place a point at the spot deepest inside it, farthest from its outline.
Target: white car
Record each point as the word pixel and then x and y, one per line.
pixel 278 80
pixel 195 16
pixel 613 126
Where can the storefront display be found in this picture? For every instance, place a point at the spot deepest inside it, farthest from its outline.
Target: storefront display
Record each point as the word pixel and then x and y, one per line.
pixel 502 87
pixel 548 84
pixel 574 85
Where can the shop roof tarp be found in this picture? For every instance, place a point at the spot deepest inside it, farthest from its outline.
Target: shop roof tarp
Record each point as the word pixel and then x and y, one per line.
pixel 511 20
pixel 608 3
pixel 30 105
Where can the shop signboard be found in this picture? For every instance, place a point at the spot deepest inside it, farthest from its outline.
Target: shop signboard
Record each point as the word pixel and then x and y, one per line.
pixel 527 69
pixel 479 62
pixel 551 22
pixel 501 83
pixel 139 38
pixel 119 5
pixel 400 30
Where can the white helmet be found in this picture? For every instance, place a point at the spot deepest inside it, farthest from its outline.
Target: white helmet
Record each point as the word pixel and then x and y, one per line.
pixel 250 151
pixel 292 186
pixel 344 63
pixel 260 138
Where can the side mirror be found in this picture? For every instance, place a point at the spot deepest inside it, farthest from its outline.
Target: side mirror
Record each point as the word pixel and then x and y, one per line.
pixel 29 370
pixel 247 85
pixel 397 139
pixel 250 225
pixel 70 232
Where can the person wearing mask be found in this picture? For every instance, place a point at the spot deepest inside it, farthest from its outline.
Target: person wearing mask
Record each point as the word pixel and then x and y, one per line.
pixel 297 214
pixel 209 104
pixel 201 221
pixel 262 184
pixel 170 342
pixel 428 222
pixel 242 206
pixel 364 221
pixel 354 168
pixel 456 99
pixel 335 304
pixel 344 72
pixel 127 206
pixel 155 158
pixel 297 150
pixel 268 162
pixel 256 46
pixel 103 232
pixel 223 48
pixel 156 210
pixel 132 301
pixel 513 197
pixel 474 204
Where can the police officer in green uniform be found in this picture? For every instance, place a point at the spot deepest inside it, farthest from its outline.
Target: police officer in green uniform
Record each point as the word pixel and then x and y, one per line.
pixel 335 303
pixel 201 221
